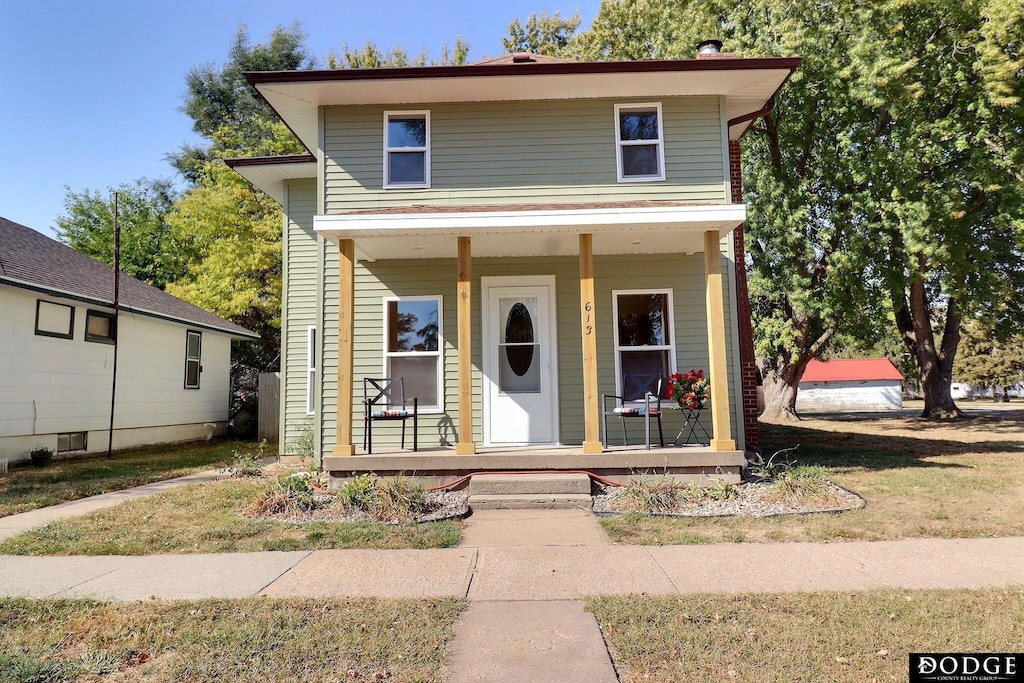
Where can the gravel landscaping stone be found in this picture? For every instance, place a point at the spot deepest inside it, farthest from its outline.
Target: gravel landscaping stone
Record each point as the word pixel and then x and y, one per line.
pixel 753 500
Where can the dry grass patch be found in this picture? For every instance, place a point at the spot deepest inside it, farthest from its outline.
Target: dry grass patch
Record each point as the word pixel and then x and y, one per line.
pixel 254 640
pixel 852 637
pixel 29 488
pixel 207 518
pixel 921 480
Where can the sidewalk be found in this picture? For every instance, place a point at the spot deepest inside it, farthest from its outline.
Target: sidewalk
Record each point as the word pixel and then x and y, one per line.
pixel 523 572
pixel 506 555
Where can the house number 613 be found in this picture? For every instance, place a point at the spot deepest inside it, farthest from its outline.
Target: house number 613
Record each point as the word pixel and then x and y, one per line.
pixel 588 307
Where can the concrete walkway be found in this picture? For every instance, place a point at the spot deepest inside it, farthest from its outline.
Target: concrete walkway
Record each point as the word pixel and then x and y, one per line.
pixel 17 524
pixel 522 570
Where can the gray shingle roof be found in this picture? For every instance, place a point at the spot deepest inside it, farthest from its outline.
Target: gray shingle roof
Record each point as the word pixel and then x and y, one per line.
pixel 29 258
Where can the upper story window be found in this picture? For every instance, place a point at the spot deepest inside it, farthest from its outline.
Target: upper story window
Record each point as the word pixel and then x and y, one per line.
pixel 406 149
pixel 54 320
pixel 100 327
pixel 639 142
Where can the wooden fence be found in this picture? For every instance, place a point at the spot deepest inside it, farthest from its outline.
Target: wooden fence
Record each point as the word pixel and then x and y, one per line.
pixel 267 423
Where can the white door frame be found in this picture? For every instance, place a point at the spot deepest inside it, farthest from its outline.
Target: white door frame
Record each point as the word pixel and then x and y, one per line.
pixel 489 346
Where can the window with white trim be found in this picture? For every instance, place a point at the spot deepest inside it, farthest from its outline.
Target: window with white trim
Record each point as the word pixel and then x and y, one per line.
pixel 644 344
pixel 412 347
pixel 639 142
pixel 406 149
pixel 193 358
pixel 311 370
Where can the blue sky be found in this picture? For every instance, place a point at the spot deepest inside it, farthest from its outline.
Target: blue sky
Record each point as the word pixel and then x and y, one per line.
pixel 90 90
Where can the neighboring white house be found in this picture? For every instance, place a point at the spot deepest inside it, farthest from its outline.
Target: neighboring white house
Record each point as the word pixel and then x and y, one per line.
pixel 852 384
pixel 57 336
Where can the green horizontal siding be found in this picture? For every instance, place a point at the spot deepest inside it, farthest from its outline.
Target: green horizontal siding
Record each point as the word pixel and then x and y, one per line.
pixel 683 274
pixel 523 152
pixel 299 303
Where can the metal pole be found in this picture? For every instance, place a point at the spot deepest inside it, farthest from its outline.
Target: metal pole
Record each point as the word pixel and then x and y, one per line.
pixel 115 330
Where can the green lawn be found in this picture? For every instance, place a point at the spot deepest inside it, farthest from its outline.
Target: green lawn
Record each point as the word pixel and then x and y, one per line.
pixel 252 640
pixel 28 488
pixel 205 518
pixel 836 637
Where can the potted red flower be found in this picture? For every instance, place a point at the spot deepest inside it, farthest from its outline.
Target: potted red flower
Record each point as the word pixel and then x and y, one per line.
pixel 691 390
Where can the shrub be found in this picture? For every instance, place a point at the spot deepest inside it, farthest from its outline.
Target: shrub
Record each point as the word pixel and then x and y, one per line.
pixel 40 456
pixel 399 500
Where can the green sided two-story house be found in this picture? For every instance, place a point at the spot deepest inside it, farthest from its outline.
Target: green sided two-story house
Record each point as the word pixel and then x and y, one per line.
pixel 516 238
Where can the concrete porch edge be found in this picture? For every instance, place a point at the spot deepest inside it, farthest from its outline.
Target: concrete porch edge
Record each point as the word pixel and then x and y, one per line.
pixel 438 466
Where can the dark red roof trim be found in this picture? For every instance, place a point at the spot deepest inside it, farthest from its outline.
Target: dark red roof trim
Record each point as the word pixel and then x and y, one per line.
pixel 525 69
pixel 265 161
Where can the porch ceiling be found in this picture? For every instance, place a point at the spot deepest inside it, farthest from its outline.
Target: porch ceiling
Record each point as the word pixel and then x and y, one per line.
pixel 421 233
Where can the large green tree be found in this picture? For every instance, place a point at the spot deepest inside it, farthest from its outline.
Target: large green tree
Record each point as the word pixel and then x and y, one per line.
pixel 149 251
pixel 543 34
pixel 986 360
pixel 889 168
pixel 231 115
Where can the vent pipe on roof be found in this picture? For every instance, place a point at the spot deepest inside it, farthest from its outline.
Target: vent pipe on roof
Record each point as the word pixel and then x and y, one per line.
pixel 709 47
pixel 522 58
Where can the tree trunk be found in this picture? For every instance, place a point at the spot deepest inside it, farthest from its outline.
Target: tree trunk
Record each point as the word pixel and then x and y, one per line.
pixel 779 398
pixel 935 364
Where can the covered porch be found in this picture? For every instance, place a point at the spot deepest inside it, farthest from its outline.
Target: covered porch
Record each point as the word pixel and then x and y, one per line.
pixel 463 235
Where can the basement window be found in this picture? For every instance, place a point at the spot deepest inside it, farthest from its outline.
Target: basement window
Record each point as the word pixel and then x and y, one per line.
pixel 74 441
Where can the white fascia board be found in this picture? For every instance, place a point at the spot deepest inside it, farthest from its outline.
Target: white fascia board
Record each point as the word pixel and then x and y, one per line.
pixel 376 225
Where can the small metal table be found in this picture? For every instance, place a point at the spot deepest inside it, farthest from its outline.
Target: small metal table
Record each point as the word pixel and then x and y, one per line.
pixel 692 428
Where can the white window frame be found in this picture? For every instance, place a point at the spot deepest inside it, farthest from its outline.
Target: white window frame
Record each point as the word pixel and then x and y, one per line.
pixel 423 409
pixel 668 317
pixel 311 370
pixel 620 143
pixel 198 360
pixel 388 115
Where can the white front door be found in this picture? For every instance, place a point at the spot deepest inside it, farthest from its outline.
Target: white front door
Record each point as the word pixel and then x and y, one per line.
pixel 520 366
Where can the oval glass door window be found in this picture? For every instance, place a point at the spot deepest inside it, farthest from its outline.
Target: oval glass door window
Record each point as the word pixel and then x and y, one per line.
pixel 519 330
pixel 519 370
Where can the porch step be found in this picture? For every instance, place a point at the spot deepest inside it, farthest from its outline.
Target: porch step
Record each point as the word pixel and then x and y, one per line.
pixel 528 483
pixel 531 501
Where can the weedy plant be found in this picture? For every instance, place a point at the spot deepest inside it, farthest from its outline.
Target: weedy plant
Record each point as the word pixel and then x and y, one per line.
pixel 665 495
pixel 290 494
pixel 304 444
pixel 248 464
pixel 393 500
pixel 771 469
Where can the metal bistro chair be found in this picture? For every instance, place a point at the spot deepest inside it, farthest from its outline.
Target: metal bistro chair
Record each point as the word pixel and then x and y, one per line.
pixel 384 399
pixel 633 385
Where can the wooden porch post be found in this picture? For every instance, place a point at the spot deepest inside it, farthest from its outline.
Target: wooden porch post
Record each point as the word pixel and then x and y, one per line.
pixel 588 324
pixel 721 423
pixel 465 445
pixel 346 332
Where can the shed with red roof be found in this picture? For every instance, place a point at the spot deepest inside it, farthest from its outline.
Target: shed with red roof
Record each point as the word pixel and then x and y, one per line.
pixel 850 384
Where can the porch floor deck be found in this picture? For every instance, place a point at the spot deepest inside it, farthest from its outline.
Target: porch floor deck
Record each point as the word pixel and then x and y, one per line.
pixel 622 462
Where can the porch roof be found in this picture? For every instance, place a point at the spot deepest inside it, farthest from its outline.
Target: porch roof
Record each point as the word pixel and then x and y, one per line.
pixel 420 232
